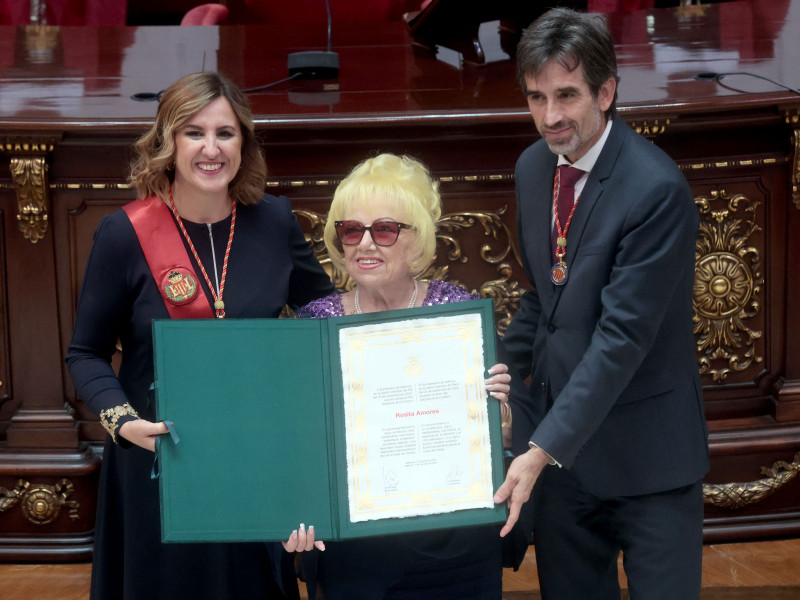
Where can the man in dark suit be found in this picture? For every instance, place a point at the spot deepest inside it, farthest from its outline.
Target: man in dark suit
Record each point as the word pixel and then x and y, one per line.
pixel 605 334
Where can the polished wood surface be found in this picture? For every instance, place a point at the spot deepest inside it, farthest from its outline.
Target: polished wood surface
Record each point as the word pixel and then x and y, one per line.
pixel 68 120
pixel 78 76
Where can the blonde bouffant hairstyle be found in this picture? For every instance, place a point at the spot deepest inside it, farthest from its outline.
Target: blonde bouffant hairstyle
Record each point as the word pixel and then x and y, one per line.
pixel 152 171
pixel 406 185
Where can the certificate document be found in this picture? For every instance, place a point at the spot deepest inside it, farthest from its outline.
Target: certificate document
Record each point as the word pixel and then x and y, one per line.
pixel 416 417
pixel 390 410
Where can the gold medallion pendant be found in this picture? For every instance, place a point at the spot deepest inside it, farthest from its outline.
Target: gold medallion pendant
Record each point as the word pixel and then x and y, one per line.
pixel 559 273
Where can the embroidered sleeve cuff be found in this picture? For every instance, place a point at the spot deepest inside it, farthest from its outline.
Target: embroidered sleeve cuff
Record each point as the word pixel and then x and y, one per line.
pixel 550 459
pixel 112 418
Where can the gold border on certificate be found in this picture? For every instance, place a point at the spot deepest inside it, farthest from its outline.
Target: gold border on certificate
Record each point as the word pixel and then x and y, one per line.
pixel 416 417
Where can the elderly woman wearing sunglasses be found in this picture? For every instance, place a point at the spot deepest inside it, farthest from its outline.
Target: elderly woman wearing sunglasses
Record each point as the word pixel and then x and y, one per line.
pixel 381 230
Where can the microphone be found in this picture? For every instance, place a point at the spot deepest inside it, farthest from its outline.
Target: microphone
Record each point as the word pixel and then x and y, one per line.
pixel 156 96
pixel 711 76
pixel 315 64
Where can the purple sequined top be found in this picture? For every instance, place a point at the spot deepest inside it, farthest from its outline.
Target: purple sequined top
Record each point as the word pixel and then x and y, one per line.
pixel 439 292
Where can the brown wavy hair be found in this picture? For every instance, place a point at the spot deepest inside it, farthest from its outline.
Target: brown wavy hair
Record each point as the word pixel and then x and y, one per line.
pixel 152 171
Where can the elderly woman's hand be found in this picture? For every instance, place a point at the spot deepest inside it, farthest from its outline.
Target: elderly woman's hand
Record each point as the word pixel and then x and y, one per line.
pixel 498 384
pixel 498 387
pixel 303 541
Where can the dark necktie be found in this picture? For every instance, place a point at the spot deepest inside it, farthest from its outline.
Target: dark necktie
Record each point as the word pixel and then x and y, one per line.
pixel 568 177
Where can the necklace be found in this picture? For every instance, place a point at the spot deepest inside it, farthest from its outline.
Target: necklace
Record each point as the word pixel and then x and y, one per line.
pixel 410 304
pixel 219 305
pixel 559 273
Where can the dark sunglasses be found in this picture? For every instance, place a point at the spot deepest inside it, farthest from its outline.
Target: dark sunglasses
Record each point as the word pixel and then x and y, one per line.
pixel 384 233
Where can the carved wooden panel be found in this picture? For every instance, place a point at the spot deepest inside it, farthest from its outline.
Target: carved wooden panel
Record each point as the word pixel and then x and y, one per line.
pixel 5 368
pixel 79 211
pixel 729 288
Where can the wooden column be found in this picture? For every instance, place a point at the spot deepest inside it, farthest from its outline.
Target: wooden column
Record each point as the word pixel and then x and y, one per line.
pixel 47 476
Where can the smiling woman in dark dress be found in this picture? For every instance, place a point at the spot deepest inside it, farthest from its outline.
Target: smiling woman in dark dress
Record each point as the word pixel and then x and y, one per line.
pixel 202 241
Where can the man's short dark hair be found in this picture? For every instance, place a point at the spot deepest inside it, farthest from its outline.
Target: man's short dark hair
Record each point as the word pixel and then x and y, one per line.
pixel 573 39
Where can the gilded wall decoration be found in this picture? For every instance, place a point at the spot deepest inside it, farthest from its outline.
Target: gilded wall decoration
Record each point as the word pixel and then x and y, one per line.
pixel 740 495
pixel 316 225
pixel 499 249
pixel 506 293
pixel 793 120
pixel 650 129
pixel 728 285
pixel 30 178
pixel 40 503
pixel 734 163
pixel 28 167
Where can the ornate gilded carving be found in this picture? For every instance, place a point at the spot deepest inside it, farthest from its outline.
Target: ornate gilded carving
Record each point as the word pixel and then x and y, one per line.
pixel 30 178
pixel 740 495
pixel 9 497
pixel 504 290
pixel 28 167
pixel 727 287
pixel 90 186
pixel 650 129
pixel 284 183
pixel 506 294
pixel 733 163
pixel 41 504
pixel 316 223
pixel 493 225
pixel 793 119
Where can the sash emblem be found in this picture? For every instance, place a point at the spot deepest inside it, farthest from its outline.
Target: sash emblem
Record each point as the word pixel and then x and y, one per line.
pixel 179 286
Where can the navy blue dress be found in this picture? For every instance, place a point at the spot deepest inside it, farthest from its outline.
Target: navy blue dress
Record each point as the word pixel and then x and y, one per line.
pixel 270 265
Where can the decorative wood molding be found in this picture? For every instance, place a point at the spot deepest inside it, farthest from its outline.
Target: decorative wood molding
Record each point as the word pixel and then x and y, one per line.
pixel 740 495
pixel 793 120
pixel 444 180
pixel 650 129
pixel 733 163
pixel 28 167
pixel 41 504
pixel 728 285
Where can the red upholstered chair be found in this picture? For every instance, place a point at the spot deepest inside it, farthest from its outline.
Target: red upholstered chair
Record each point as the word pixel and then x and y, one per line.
pixel 206 14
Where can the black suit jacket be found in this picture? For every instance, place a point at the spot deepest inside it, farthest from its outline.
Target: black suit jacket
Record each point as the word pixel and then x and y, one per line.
pixel 611 353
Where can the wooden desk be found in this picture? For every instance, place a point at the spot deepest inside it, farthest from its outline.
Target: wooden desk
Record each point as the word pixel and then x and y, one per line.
pixel 67 123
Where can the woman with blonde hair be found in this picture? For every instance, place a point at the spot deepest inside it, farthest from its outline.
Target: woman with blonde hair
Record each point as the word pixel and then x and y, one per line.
pixel 202 241
pixel 381 231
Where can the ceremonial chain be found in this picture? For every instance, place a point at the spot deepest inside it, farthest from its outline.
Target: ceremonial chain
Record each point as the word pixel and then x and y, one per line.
pixel 219 305
pixel 558 273
pixel 410 304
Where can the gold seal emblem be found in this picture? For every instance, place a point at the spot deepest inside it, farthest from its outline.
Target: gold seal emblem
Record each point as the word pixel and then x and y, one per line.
pixel 559 274
pixel 179 286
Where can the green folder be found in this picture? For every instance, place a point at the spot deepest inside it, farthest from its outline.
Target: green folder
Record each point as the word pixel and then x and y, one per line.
pixel 258 408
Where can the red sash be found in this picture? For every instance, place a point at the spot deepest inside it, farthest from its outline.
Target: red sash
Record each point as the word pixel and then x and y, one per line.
pixel 168 260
